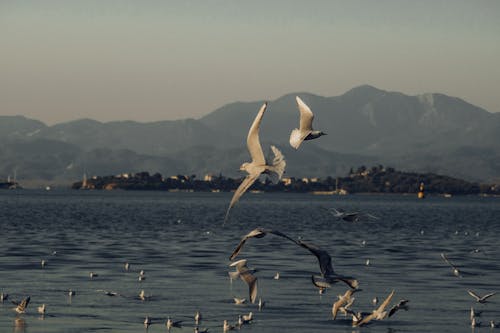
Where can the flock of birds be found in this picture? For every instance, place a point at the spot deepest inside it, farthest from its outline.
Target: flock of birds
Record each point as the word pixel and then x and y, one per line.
pixel 275 170
pixel 479 299
pixel 322 281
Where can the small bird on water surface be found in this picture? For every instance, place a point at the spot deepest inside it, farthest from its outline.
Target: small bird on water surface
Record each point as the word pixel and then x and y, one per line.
pixel 147 322
pixel 170 324
pixel 42 309
pixel 227 327
pixel 197 317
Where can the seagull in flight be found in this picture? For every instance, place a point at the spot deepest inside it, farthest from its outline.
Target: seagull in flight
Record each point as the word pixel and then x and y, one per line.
pixel 258 165
pixel 21 306
pixel 480 299
pixel 305 130
pixel 342 300
pixel 377 314
pixel 247 276
pixel 328 276
pixel 402 305
pixel 350 216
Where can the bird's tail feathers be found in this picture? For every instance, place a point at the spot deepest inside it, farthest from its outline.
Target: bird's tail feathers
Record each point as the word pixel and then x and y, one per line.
pixel 277 168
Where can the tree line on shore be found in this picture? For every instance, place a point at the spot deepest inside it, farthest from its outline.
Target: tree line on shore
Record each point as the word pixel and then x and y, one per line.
pixel 377 179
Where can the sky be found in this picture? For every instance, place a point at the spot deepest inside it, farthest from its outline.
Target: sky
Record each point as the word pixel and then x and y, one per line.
pixel 163 60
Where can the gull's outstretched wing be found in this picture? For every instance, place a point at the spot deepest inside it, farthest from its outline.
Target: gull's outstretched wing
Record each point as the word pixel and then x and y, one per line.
pixel 257 233
pixel 324 259
pixel 305 126
pixel 401 305
pixel 473 294
pixel 253 142
pixel 485 297
pixel 447 261
pixel 386 302
pixel 306 115
pixel 247 182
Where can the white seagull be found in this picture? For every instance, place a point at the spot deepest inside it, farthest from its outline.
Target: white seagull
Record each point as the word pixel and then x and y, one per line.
pixel 258 165
pixel 342 300
pixel 305 130
pixel 247 276
pixel 377 314
pixel 41 309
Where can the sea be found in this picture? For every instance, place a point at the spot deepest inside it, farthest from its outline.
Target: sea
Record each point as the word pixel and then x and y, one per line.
pixel 181 244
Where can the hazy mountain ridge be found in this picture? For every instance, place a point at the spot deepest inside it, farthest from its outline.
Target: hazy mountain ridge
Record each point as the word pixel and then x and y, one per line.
pixel 366 125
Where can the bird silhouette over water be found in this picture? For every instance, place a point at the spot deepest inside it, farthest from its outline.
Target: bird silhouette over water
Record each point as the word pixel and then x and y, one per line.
pixel 328 276
pixel 305 130
pixel 258 165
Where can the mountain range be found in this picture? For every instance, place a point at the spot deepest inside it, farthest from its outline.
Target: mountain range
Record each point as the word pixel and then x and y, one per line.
pixel 365 126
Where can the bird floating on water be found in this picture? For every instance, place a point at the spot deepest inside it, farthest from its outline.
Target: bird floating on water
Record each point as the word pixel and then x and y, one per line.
pixel 147 321
pixel 41 309
pixel 305 130
pixel 171 324
pixel 227 327
pixel 197 317
pixel 261 304
pixel 258 165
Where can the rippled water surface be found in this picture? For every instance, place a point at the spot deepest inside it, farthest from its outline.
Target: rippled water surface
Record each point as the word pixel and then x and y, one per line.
pixel 179 241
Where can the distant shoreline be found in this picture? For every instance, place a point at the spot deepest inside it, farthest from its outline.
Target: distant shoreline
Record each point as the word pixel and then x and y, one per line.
pixel 375 180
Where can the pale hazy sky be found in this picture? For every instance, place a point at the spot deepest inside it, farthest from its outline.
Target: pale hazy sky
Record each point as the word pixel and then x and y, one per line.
pixel 159 60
